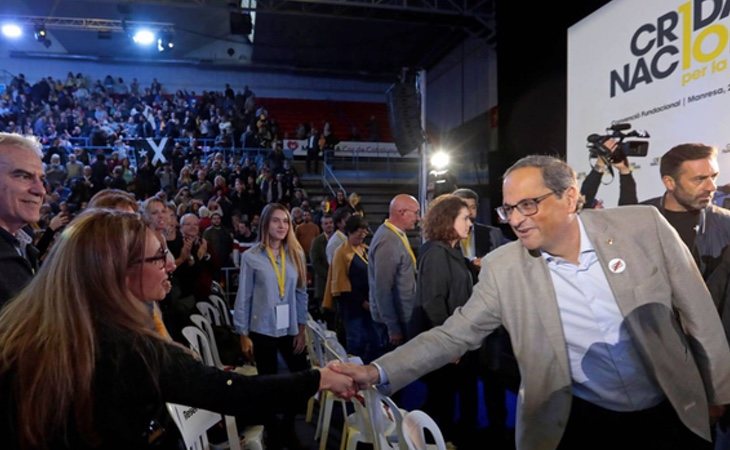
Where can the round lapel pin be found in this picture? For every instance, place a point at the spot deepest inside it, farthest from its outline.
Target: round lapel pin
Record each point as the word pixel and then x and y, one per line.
pixel 617 265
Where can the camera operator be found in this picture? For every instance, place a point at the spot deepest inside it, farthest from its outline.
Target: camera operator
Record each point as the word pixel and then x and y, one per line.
pixel 627 184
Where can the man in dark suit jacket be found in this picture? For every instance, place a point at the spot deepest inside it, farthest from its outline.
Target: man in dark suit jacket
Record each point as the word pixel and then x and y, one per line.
pixel 482 238
pixel 22 191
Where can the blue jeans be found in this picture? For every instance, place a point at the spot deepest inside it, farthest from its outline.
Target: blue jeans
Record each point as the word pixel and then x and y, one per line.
pixel 363 339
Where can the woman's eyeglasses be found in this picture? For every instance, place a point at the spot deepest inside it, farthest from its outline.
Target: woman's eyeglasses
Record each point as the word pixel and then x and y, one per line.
pixel 159 260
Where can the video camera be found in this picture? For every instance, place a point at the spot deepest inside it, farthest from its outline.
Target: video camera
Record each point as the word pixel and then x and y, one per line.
pixel 618 132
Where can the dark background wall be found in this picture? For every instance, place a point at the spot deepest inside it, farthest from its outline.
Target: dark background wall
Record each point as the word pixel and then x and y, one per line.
pixel 532 81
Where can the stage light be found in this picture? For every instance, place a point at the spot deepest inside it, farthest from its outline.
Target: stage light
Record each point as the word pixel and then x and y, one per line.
pixel 40 33
pixel 12 30
pixel 165 42
pixel 144 37
pixel 440 160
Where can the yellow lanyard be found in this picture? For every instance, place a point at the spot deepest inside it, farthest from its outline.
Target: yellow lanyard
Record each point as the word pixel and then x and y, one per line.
pixel 158 323
pixel 466 246
pixel 403 239
pixel 361 254
pixel 280 274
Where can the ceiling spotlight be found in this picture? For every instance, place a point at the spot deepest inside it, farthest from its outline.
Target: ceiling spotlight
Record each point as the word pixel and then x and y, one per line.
pixel 12 30
pixel 40 33
pixel 165 42
pixel 144 37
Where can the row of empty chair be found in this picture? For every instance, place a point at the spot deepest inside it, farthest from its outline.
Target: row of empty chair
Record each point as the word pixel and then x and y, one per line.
pixel 193 422
pixel 376 419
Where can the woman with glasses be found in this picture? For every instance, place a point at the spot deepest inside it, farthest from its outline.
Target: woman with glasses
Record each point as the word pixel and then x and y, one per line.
pixel 81 366
pixel 443 284
pixel 124 201
pixel 271 305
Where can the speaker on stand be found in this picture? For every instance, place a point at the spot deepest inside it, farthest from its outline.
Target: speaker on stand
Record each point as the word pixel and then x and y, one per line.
pixel 404 113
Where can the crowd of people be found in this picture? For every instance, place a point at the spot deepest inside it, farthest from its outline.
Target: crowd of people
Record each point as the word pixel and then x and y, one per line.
pixel 104 112
pixel 599 318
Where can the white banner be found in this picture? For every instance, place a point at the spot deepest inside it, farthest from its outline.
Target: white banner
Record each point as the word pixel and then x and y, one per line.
pixel 351 148
pixel 660 65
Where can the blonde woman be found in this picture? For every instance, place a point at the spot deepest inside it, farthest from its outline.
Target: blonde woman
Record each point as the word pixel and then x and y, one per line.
pixel 271 305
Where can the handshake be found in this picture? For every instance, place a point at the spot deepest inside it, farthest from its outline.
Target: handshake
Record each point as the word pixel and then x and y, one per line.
pixel 345 379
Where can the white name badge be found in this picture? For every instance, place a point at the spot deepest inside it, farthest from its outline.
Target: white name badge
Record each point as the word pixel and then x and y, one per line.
pixel 282 317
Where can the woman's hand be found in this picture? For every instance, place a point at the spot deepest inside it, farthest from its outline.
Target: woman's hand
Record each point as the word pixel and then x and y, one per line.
pixel 202 249
pixel 299 341
pixel 58 221
pixel 363 376
pixel 247 347
pixel 339 384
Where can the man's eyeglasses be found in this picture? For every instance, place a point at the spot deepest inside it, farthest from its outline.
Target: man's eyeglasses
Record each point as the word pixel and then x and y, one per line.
pixel 159 260
pixel 526 207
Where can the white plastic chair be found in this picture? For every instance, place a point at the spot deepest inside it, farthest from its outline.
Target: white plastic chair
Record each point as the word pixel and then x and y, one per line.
pixel 223 311
pixel 217 289
pixel 199 343
pixel 193 424
pixel 415 423
pixel 205 325
pixel 209 311
pixel 320 353
pixel 377 422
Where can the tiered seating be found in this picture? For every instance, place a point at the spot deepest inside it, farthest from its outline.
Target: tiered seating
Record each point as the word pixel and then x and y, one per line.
pixel 342 115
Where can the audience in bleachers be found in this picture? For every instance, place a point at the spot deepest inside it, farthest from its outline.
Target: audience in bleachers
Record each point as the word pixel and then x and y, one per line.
pixel 208 181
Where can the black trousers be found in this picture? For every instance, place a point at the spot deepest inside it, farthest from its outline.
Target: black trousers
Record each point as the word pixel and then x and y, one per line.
pixel 280 431
pixel 443 385
pixel 657 428
pixel 312 160
pixel 265 349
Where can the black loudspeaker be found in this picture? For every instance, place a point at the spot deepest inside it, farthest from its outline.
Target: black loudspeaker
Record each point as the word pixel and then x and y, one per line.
pixel 404 114
pixel 240 23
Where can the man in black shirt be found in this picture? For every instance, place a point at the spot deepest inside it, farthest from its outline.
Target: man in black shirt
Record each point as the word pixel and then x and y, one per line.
pixel 689 173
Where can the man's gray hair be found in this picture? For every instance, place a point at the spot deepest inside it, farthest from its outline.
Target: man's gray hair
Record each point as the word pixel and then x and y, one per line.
pixel 28 142
pixel 557 175
pixel 185 216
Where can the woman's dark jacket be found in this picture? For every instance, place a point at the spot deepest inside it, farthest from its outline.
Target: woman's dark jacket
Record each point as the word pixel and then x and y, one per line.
pixel 127 398
pixel 444 282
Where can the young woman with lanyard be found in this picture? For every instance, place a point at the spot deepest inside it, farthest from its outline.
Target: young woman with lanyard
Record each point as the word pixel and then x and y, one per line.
pixel 271 305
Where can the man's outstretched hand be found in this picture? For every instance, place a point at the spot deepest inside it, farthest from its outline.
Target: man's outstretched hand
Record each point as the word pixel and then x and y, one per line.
pixel 363 376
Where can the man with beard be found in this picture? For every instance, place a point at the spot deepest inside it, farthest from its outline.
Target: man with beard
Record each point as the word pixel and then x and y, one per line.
pixel 689 173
